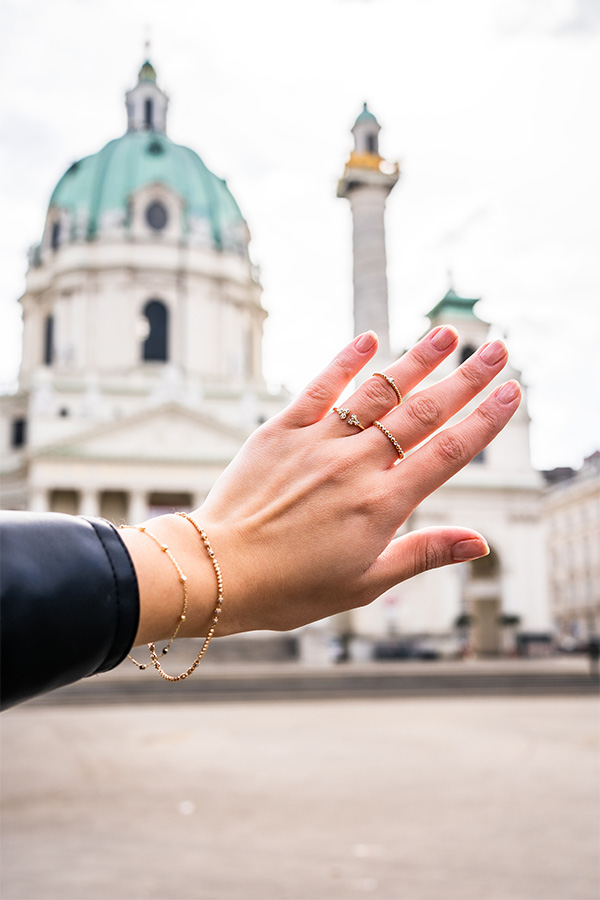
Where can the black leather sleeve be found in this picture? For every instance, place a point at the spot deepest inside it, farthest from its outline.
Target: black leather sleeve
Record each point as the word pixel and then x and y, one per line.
pixel 69 601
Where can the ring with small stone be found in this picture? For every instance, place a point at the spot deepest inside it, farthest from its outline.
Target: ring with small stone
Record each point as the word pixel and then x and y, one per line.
pixel 392 384
pixel 348 417
pixel 390 438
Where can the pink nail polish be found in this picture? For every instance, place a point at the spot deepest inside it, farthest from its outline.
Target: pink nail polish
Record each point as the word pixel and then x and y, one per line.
pixel 493 353
pixel 462 551
pixel 365 341
pixel 444 338
pixel 508 392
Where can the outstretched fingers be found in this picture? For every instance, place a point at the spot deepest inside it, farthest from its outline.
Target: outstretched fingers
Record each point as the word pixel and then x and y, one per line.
pixel 318 397
pixel 450 450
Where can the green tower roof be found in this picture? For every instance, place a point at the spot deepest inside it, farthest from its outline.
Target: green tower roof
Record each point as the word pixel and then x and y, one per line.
pixel 366 116
pixel 102 184
pixel 452 304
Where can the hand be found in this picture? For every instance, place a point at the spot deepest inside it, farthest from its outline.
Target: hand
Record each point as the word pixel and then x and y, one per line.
pixel 304 520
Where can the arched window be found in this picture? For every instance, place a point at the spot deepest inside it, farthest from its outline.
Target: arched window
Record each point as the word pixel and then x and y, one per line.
pixel 156 344
pixel 49 340
pixel 55 236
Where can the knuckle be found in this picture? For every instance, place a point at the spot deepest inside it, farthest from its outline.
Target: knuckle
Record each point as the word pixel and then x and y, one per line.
pixel 377 392
pixel 470 374
pixel 490 418
pixel 424 411
pixel 432 557
pixel 317 393
pixel 451 448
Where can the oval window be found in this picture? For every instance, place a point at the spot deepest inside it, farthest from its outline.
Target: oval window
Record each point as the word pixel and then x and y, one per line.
pixel 156 216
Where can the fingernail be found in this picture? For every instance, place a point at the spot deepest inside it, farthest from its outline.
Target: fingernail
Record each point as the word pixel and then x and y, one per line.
pixel 365 341
pixel 508 392
pixel 471 549
pixel 493 353
pixel 442 339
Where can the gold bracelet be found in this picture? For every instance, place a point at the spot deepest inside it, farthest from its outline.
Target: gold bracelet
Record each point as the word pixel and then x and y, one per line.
pixel 155 657
pixel 182 617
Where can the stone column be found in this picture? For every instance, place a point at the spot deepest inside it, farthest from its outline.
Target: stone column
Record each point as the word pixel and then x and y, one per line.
pixel 38 500
pixel 89 504
pixel 138 507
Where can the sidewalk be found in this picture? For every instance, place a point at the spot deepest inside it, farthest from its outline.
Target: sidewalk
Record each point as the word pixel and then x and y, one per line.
pixel 218 681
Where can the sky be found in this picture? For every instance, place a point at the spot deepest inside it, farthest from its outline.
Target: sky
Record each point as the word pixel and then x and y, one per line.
pixel 490 107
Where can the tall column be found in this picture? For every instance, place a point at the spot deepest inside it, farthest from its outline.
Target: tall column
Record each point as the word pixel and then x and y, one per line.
pixel 366 183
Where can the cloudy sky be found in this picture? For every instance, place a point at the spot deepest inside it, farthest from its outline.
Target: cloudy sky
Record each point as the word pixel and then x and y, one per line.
pixel 490 106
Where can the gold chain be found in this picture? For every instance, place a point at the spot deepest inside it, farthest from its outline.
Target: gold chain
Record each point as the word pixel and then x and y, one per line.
pixel 155 657
pixel 182 579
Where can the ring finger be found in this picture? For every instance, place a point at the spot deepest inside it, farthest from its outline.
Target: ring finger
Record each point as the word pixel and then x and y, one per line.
pixel 427 410
pixel 378 395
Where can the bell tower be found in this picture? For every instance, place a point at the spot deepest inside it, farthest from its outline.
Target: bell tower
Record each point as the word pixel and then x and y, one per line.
pixel 366 183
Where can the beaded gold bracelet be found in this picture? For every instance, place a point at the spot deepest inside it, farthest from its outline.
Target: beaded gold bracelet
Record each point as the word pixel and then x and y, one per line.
pixel 155 657
pixel 182 617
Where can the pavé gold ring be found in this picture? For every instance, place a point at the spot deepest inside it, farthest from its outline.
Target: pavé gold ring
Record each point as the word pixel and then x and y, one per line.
pixel 348 417
pixel 392 384
pixel 390 438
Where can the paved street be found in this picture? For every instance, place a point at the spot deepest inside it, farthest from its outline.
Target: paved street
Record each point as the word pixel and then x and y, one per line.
pixel 395 799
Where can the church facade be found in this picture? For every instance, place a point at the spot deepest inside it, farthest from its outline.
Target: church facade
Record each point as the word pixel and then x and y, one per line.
pixel 141 375
pixel 141 372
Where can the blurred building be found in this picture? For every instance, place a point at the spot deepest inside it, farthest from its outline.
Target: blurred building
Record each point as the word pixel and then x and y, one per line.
pixel 493 602
pixel 141 372
pixel 572 523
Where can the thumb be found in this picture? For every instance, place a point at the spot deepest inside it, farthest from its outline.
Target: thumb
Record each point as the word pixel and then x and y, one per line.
pixel 428 548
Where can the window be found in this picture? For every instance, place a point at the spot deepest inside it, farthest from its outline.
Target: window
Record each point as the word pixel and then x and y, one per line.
pixel 55 236
pixel 372 143
pixel 148 113
pixel 18 437
pixel 154 348
pixel 156 215
pixel 49 340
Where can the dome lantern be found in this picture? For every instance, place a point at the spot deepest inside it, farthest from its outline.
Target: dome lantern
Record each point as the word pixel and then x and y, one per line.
pixel 146 103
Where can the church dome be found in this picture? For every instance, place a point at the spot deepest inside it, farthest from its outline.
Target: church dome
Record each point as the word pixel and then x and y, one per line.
pixel 96 191
pixel 142 184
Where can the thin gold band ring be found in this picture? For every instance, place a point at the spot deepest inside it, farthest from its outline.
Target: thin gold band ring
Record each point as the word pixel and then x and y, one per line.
pixel 390 438
pixel 392 384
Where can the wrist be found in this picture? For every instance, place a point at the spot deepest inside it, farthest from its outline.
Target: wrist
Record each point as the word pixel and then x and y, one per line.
pixel 160 588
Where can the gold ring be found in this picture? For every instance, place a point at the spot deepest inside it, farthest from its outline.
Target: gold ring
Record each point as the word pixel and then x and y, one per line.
pixel 349 417
pixel 390 438
pixel 392 384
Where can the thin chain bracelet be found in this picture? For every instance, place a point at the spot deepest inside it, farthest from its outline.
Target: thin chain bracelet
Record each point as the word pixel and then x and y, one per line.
pixel 182 579
pixel 215 615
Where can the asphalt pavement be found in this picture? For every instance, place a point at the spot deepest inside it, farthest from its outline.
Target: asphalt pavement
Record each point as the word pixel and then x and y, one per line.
pixel 395 798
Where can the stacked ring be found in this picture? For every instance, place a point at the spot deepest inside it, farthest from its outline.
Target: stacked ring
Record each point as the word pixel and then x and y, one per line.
pixel 392 384
pixel 348 417
pixel 390 438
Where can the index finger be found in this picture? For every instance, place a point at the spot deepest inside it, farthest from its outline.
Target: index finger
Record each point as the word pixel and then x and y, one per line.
pixel 318 397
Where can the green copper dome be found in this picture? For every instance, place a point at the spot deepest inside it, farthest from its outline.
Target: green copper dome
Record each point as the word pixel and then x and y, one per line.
pixel 96 190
